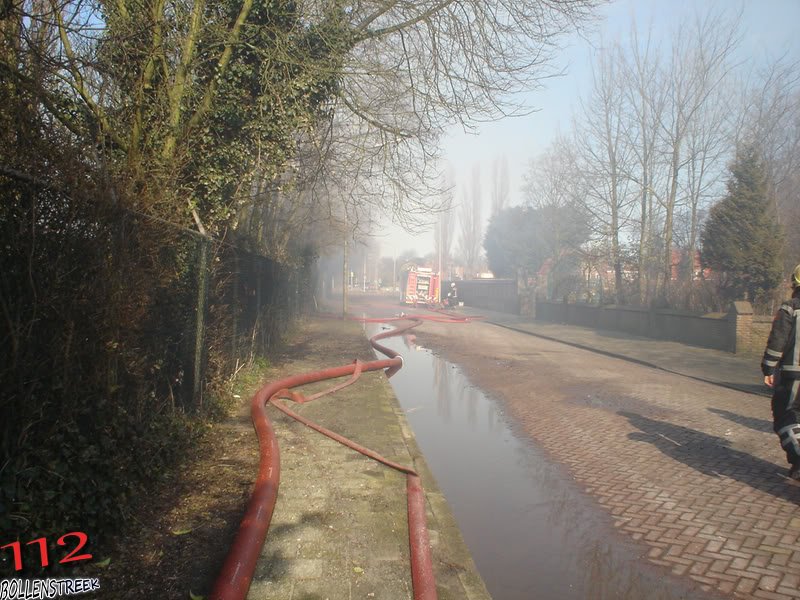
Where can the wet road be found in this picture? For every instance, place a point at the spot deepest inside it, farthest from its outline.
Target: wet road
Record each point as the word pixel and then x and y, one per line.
pixel 584 476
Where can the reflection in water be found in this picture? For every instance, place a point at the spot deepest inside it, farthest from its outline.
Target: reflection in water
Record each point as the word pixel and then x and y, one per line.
pixel 442 382
pixel 472 404
pixel 531 533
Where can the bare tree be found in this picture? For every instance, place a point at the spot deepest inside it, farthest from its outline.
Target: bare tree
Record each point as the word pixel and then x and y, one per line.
pixel 471 240
pixel 708 149
pixel 653 135
pixel 660 136
pixel 411 69
pixel 154 86
pixel 701 60
pixel 646 105
pixel 500 191
pixel 551 177
pixel 604 159
pixel 443 233
pixel 553 189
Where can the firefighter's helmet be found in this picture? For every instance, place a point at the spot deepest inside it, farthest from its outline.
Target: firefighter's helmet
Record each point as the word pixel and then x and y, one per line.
pixel 796 277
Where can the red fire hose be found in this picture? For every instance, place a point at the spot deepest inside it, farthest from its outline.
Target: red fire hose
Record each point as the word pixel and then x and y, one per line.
pixel 237 571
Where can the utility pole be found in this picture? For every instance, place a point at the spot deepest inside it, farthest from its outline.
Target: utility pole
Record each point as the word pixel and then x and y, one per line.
pixel 441 240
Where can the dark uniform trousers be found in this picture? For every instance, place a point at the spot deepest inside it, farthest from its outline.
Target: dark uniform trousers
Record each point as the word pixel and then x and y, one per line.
pixel 785 415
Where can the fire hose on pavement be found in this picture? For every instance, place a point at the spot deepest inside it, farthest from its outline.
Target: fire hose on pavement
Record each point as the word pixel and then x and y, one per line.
pixel 237 571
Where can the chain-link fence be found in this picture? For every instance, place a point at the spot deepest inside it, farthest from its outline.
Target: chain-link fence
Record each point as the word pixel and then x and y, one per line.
pixel 114 328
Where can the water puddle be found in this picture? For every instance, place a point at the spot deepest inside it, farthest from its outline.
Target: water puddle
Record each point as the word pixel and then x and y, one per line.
pixel 531 532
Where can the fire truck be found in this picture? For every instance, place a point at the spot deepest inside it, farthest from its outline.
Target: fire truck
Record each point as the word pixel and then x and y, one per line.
pixel 420 286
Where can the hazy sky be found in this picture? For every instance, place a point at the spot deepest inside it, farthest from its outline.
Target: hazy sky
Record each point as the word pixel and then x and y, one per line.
pixel 770 29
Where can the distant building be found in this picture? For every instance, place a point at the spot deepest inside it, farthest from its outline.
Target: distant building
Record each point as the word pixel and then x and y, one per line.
pixel 679 260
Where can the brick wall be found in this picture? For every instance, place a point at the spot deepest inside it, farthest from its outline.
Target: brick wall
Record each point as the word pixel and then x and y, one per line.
pixel 759 333
pixel 491 294
pixel 737 331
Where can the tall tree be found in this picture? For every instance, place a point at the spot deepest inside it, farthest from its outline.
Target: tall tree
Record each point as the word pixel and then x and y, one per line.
pixel 605 159
pixel 443 233
pixel 700 62
pixel 513 243
pixel 646 105
pixel 741 241
pixel 471 224
pixel 500 191
pixel 707 143
pixel 557 197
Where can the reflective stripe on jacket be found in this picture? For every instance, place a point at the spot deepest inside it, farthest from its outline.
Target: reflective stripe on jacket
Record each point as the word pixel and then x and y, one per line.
pixel 783 344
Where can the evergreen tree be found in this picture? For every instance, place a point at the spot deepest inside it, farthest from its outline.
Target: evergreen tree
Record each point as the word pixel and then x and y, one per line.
pixel 519 239
pixel 510 242
pixel 742 239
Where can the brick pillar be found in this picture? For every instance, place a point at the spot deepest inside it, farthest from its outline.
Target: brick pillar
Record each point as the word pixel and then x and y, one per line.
pixel 740 317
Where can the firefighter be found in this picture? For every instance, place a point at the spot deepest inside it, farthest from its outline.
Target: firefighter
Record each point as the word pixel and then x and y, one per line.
pixel 781 368
pixel 452 295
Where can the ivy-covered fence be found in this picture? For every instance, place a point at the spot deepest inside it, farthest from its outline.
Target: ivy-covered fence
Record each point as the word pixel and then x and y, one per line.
pixel 116 333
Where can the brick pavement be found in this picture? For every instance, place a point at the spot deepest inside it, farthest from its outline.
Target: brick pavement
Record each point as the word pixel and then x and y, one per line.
pixel 689 470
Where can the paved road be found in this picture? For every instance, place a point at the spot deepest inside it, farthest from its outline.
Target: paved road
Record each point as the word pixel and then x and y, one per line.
pixel 740 372
pixel 687 469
